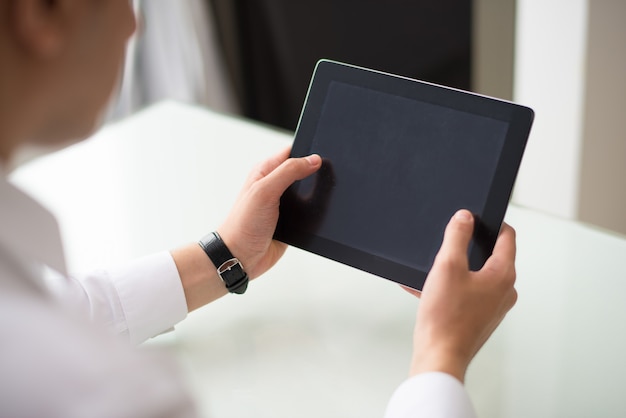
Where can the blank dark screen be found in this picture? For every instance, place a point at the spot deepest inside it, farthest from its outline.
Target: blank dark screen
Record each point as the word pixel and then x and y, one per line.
pixel 400 169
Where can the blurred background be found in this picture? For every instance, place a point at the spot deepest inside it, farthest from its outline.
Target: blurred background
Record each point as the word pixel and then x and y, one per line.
pixel 564 58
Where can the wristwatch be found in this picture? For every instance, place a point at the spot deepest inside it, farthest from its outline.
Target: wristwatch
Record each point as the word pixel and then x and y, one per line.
pixel 229 268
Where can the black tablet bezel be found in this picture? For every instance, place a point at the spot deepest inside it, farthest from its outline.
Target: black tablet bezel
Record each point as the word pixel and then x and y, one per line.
pixel 488 223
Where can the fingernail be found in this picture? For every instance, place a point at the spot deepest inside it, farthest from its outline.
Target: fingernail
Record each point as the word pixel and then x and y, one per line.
pixel 463 216
pixel 313 159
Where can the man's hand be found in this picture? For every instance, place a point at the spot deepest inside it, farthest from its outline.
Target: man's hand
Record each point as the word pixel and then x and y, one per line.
pixel 460 309
pixel 249 228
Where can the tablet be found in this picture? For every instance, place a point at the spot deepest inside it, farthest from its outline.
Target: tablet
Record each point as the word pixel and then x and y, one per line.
pixel 400 157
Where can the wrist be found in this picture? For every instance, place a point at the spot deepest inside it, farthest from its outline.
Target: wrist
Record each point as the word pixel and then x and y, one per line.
pixel 256 255
pixel 199 279
pixel 229 268
pixel 238 251
pixel 439 360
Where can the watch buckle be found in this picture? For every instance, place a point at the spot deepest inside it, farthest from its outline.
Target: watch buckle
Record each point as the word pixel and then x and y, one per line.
pixel 228 265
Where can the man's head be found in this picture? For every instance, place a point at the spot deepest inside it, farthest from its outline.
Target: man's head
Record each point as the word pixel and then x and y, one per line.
pixel 59 63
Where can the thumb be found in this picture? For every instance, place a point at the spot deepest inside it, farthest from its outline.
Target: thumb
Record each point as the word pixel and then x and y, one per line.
pixel 289 171
pixel 457 237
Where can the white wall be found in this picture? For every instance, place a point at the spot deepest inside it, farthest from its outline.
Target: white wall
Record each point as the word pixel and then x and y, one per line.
pixel 550 54
pixel 570 66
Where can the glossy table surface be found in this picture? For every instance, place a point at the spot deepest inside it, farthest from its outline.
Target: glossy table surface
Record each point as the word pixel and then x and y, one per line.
pixel 314 338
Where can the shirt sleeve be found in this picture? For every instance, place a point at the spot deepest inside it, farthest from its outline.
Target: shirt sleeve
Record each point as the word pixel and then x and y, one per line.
pixel 56 364
pixel 139 300
pixel 432 395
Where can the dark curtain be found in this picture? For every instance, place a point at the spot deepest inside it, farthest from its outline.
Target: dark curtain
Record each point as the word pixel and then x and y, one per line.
pixel 271 46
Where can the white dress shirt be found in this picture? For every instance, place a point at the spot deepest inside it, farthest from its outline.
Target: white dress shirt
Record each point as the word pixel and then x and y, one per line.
pixel 432 395
pixel 55 363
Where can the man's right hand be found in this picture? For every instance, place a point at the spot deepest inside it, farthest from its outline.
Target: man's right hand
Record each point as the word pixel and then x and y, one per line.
pixel 460 309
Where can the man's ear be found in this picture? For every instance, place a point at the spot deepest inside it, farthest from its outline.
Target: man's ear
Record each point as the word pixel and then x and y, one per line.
pixel 39 26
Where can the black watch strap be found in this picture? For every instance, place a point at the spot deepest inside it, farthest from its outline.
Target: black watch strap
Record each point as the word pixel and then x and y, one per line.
pixel 229 268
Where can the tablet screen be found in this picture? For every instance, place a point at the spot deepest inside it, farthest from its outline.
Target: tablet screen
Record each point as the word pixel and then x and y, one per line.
pixel 364 131
pixel 395 169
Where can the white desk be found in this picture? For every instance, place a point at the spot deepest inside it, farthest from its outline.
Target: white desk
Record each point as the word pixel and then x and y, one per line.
pixel 314 338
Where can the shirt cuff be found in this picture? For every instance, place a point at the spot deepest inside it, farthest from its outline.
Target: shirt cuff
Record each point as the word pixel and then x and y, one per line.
pixel 151 295
pixel 433 395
